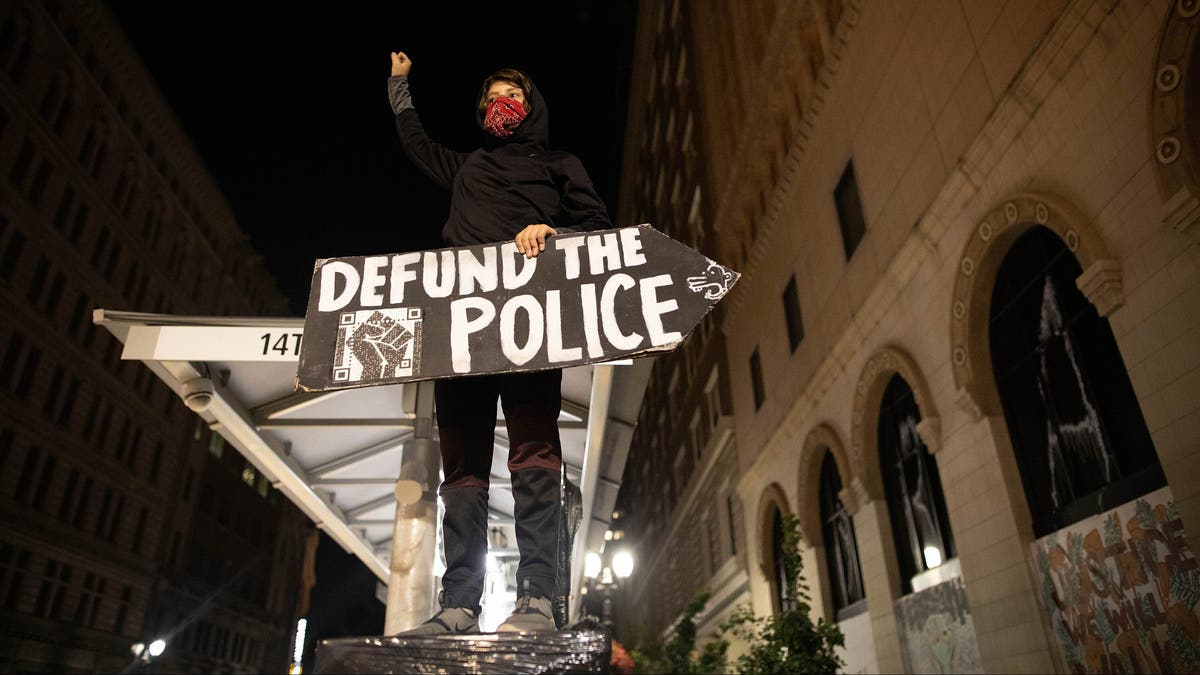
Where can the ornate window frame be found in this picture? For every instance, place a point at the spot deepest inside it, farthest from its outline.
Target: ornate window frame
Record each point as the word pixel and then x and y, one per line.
pixel 993 236
pixel 864 439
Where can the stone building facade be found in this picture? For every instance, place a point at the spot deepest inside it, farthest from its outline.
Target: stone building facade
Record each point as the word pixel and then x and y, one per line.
pixel 981 220
pixel 121 520
pixel 685 458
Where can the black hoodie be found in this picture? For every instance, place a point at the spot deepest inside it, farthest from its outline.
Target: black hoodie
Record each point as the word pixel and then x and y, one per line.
pixel 507 185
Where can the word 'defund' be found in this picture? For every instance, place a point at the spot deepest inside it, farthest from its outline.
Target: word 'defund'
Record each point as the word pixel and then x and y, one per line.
pixel 487 308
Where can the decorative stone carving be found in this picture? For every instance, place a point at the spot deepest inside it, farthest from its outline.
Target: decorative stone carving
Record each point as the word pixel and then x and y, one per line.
pixel 1167 78
pixel 930 431
pixel 1168 149
pixel 1182 212
pixel 966 403
pixel 1041 213
pixel 1072 240
pixel 1171 137
pixel 1101 284
pixel 1011 212
pixel 854 496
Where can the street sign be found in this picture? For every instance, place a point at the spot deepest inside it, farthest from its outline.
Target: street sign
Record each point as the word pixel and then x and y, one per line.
pixel 588 298
pixel 212 343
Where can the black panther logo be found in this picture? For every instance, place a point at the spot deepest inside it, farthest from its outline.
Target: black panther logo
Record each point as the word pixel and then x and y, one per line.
pixel 715 281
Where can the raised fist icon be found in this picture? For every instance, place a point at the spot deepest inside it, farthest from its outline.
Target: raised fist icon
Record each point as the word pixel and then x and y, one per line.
pixel 379 344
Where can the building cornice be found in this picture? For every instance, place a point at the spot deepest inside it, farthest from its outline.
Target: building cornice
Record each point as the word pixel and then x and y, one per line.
pixel 749 153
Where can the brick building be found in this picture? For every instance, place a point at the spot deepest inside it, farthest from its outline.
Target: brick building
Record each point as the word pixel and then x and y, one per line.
pixel 121 520
pixel 965 348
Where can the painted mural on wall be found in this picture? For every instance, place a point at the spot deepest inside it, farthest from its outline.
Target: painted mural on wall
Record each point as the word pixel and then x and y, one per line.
pixel 936 631
pixel 1121 589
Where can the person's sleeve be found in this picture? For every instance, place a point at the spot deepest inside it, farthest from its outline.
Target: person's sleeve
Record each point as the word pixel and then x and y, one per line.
pixel 435 160
pixel 582 208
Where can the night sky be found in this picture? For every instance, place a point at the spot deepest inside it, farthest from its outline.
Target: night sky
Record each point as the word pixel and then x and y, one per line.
pixel 289 109
pixel 289 112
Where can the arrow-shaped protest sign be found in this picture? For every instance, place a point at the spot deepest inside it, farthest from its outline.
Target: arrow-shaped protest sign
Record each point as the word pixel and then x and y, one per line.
pixel 588 298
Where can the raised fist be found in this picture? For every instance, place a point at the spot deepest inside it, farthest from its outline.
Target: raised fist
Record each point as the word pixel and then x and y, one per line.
pixel 401 64
pixel 379 344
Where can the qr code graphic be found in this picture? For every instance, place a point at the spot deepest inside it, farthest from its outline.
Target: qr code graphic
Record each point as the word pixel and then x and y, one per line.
pixel 378 344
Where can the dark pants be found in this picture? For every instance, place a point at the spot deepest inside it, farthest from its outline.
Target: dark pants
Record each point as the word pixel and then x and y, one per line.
pixel 466 415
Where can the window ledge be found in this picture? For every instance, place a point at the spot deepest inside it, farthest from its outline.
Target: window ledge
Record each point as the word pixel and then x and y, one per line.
pixel 948 570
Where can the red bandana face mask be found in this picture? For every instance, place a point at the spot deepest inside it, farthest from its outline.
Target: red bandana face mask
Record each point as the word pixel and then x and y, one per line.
pixel 503 116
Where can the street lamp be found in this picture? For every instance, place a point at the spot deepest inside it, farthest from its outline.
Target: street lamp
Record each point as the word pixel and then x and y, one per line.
pixel 622 564
pixel 296 666
pixel 591 565
pixel 605 574
pixel 143 653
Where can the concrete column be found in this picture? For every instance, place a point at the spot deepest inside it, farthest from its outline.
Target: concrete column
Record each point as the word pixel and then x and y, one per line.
pixel 411 583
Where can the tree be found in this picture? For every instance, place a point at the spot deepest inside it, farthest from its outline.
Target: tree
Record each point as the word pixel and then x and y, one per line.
pixel 787 642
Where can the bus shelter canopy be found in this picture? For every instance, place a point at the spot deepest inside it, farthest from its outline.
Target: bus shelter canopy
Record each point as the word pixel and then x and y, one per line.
pixel 336 455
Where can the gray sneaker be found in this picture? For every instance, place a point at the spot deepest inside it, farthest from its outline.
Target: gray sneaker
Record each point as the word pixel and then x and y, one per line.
pixel 533 613
pixel 448 621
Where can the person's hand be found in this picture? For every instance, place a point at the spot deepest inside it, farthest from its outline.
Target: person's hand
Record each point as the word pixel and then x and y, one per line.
pixel 401 64
pixel 532 240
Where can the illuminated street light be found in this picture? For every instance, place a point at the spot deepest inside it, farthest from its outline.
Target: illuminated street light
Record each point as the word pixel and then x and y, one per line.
pixel 157 647
pixel 591 565
pixel 605 573
pixel 622 564
pixel 298 651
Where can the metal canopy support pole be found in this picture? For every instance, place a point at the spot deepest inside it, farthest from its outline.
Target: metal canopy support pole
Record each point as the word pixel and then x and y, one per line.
pixel 593 453
pixel 411 582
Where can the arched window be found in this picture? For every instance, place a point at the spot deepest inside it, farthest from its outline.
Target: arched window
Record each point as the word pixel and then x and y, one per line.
pixel 1076 427
pixel 917 508
pixel 779 580
pixel 841 550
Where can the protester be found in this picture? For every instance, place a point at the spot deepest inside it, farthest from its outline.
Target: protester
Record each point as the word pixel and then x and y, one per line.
pixel 514 188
